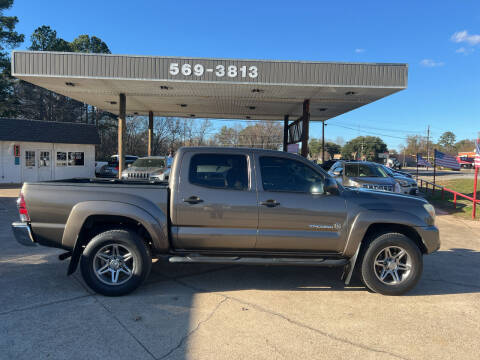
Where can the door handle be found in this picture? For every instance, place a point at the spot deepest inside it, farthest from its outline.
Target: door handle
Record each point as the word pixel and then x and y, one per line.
pixel 193 200
pixel 269 203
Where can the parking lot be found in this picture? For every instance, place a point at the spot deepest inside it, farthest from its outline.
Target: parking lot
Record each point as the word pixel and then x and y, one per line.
pixel 233 312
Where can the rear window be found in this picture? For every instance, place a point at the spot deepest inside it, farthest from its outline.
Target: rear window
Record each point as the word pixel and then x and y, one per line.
pixel 149 162
pixel 220 171
pixel 364 170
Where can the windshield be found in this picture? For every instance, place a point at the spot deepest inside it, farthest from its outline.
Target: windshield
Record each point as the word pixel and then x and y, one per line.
pixel 149 162
pixel 388 171
pixel 364 170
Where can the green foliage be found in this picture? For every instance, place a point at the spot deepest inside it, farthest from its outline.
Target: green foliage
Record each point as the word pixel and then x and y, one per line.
pixel 315 148
pixel 447 142
pixel 465 145
pixel 44 38
pixel 87 44
pixel 9 39
pixel 364 147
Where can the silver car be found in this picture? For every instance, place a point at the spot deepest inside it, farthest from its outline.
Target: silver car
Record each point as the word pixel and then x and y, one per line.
pixel 363 174
pixel 407 184
pixel 145 168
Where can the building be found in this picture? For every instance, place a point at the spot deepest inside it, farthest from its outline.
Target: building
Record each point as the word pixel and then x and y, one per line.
pixel 33 150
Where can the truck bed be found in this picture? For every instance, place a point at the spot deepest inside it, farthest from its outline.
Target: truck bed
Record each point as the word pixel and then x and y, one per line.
pixel 50 203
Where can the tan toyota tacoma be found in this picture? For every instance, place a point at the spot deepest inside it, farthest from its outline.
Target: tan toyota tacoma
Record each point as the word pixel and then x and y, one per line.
pixel 240 206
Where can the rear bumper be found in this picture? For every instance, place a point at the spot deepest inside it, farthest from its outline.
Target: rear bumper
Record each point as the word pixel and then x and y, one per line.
pixel 23 233
pixel 430 237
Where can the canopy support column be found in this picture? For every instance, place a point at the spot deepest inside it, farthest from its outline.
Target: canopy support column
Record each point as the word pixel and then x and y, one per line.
pixel 285 133
pixel 323 141
pixel 150 132
pixel 121 133
pixel 305 127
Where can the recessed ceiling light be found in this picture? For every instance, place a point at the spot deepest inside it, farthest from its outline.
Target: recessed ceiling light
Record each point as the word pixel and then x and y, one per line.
pixel 192 115
pixel 183 105
pixel 164 87
pixel 135 113
pixel 257 90
pixel 111 102
pixel 69 84
pixel 348 93
pixel 322 109
pixel 252 107
pixel 247 117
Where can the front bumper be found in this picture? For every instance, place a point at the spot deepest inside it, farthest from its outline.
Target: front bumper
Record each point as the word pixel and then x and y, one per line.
pixel 430 237
pixel 23 233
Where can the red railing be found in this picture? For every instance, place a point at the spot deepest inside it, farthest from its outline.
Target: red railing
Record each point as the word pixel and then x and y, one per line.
pixel 455 193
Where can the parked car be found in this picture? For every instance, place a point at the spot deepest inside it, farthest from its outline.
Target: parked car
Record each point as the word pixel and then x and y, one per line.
pixel 99 166
pixel 327 164
pixel 407 184
pixel 465 162
pixel 111 169
pixel 238 206
pixel 363 174
pixel 145 168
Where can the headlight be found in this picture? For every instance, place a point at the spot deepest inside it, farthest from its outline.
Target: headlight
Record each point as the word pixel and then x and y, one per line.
pixel 397 188
pixel 403 183
pixel 354 183
pixel 430 210
pixel 124 174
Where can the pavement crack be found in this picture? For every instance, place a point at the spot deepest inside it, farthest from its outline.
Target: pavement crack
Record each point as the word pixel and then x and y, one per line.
pixel 191 332
pixel 124 327
pixel 44 304
pixel 299 324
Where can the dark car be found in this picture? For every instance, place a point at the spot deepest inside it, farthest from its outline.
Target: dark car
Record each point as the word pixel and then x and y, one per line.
pixel 363 174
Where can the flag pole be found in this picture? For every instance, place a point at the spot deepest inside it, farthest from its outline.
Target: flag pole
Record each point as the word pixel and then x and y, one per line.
pixel 475 193
pixel 434 165
pixel 417 166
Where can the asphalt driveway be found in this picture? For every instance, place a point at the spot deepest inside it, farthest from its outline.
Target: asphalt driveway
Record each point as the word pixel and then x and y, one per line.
pixel 233 312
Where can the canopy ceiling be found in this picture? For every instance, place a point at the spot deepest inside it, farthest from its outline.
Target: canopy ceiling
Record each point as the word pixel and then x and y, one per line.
pixel 210 88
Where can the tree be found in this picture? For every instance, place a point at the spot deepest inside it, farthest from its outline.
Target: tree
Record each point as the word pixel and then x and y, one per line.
pixel 364 147
pixel 447 141
pixel 465 145
pixel 44 38
pixel 9 39
pixel 87 44
pixel 315 148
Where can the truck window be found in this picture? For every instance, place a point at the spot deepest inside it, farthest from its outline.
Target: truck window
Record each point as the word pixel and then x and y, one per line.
pixel 221 171
pixel 280 174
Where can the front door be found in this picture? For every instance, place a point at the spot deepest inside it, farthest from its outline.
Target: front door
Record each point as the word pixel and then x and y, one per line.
pixel 44 165
pixel 29 167
pixel 216 203
pixel 295 214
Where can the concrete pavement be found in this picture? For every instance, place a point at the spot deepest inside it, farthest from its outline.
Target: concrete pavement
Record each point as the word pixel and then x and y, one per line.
pixel 232 312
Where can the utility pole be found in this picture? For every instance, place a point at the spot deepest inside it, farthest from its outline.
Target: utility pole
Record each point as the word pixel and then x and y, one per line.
pixel 428 143
pixel 323 141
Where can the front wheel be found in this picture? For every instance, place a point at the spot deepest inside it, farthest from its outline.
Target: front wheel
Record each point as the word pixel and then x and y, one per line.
pixel 392 264
pixel 115 262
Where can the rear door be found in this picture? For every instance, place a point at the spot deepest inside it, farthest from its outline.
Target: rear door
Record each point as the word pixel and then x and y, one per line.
pixel 216 202
pixel 295 214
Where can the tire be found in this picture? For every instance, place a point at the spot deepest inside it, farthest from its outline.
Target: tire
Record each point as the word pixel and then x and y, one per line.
pixel 115 262
pixel 388 271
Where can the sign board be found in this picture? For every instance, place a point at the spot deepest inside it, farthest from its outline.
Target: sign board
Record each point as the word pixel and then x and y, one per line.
pixel 383 155
pixel 16 150
pixel 293 148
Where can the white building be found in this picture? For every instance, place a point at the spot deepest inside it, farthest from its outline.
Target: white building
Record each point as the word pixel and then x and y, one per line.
pixel 33 150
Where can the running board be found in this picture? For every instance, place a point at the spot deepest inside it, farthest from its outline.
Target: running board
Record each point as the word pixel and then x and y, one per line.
pixel 257 260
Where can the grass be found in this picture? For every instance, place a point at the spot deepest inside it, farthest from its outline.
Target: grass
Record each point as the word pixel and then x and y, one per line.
pixel 464 207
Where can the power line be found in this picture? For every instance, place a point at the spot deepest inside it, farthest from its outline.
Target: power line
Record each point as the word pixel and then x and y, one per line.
pixel 369 133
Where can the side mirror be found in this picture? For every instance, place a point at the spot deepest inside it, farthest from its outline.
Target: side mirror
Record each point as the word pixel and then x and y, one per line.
pixel 337 173
pixel 331 186
pixel 129 165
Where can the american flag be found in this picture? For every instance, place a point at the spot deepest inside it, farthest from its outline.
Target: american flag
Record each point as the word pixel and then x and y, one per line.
pixel 445 160
pixel 422 162
pixel 477 154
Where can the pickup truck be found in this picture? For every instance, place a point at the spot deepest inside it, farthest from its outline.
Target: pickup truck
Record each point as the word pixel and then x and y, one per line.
pixel 221 205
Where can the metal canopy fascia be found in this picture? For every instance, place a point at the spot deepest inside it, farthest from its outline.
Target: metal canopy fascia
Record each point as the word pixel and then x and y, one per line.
pixel 210 88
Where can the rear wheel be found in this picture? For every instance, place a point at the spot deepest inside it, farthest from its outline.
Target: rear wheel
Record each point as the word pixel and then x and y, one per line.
pixel 115 262
pixel 392 264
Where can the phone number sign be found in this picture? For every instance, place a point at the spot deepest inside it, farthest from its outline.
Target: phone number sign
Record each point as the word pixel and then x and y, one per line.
pixel 218 71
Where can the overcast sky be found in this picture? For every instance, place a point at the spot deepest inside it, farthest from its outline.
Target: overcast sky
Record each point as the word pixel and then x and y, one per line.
pixel 440 41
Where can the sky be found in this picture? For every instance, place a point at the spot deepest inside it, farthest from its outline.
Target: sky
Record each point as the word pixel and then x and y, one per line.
pixel 439 40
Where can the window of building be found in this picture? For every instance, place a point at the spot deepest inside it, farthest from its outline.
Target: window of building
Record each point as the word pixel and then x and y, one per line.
pixel 44 160
pixel 219 171
pixel 61 158
pixel 280 174
pixel 76 158
pixel 29 158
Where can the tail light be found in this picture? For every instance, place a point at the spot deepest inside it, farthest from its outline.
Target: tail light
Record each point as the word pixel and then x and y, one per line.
pixel 22 209
pixel 116 168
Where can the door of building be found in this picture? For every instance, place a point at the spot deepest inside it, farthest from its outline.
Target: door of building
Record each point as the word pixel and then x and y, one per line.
pixel 29 167
pixel 44 164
